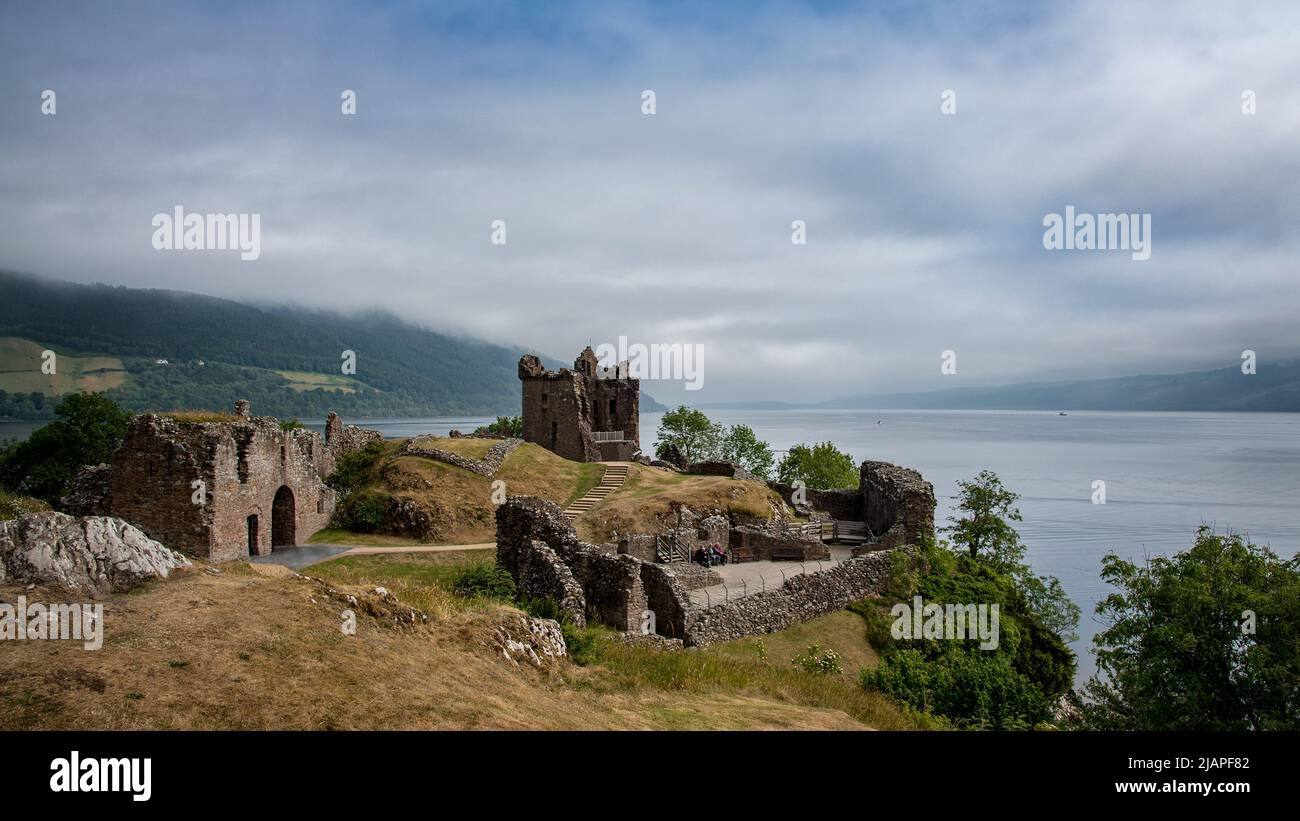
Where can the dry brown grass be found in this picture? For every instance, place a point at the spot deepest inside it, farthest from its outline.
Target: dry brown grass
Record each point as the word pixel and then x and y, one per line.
pixel 242 650
pixel 469 447
pixel 198 416
pixel 647 502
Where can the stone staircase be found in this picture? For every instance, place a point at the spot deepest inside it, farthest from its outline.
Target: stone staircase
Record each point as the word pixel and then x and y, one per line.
pixel 615 476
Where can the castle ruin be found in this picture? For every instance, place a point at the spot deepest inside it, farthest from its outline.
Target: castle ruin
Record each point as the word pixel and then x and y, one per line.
pixel 588 414
pixel 220 490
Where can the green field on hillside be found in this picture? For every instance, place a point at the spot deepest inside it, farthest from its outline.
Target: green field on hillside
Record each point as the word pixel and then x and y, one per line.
pixel 20 370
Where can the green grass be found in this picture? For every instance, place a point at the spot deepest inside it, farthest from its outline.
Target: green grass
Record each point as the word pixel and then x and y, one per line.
pixel 709 671
pixel 420 569
pixel 304 381
pixel 589 475
pixel 20 369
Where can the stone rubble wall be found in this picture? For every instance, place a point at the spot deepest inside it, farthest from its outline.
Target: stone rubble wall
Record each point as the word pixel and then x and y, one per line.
pixel 801 598
pixel 90 493
pixel 487 466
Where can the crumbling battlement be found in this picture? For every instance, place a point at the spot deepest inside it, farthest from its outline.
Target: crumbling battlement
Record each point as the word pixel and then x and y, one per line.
pixel 563 411
pixel 897 504
pixel 222 490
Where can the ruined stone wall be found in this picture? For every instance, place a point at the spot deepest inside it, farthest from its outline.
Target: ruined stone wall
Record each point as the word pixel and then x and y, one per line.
pixel 897 504
pixel 801 598
pixel 763 541
pixel 610 583
pixel 845 505
pixel 562 409
pixel 150 484
pixel 638 545
pixel 721 467
pixel 667 598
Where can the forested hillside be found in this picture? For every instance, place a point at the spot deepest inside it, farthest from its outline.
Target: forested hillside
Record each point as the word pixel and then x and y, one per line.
pixel 401 370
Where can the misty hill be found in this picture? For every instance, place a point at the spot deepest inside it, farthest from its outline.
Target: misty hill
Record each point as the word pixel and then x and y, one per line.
pixel 1275 387
pixel 286 360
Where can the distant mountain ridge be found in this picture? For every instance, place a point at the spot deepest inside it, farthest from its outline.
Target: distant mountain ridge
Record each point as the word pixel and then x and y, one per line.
pixel 1274 387
pixel 286 360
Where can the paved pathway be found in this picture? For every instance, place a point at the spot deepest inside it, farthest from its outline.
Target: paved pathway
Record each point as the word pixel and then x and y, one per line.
pixel 307 554
pixel 748 578
pixel 615 476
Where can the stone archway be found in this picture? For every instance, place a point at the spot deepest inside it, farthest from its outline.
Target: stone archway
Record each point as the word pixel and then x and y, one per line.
pixel 283 519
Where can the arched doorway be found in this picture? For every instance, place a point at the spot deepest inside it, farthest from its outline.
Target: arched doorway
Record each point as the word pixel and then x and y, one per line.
pixel 283 521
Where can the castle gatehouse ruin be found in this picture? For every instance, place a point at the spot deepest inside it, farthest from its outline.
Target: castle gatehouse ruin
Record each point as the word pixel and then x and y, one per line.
pixel 587 414
pixel 220 490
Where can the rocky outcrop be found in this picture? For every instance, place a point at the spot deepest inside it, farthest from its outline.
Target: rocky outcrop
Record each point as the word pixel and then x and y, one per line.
pixel 90 492
pixel 487 466
pixel 94 555
pixel 531 641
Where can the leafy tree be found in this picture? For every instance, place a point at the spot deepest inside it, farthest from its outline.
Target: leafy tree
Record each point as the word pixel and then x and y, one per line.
pixel 741 445
pixel 1014 686
pixel 89 428
pixel 985 528
pixel 822 466
pixel 1207 639
pixel 691 431
pixel 507 426
pixel 985 532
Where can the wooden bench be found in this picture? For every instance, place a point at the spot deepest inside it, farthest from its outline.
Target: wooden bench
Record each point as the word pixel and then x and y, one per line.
pixel 780 553
pixel 743 554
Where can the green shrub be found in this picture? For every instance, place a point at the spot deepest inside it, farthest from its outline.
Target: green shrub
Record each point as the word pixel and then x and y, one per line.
pixel 363 512
pixel 353 471
pixel 581 642
pixel 506 426
pixel 483 579
pixel 543 608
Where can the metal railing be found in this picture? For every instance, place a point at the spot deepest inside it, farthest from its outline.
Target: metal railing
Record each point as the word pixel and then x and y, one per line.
pixel 608 435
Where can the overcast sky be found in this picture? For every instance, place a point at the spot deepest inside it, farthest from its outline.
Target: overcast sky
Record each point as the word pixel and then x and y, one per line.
pixel 924 230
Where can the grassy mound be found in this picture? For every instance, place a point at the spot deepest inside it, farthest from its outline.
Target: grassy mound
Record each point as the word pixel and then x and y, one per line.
pixel 462 499
pixel 649 500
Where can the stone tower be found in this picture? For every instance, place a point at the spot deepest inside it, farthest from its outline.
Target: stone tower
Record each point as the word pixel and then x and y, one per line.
pixel 587 414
